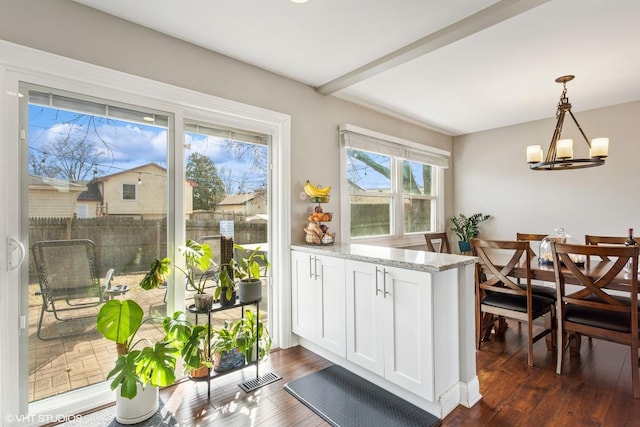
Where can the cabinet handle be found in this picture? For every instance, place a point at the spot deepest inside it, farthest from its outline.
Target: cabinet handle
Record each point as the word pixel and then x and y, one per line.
pixel 377 288
pixel 315 267
pixel 310 268
pixel 384 282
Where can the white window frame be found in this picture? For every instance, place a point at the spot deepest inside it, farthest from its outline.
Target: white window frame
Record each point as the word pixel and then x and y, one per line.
pixel 393 147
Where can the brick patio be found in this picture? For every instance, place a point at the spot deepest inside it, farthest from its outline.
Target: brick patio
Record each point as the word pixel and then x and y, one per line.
pixel 63 364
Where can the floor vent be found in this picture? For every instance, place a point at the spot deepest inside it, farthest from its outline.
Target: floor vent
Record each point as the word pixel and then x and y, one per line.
pixel 256 383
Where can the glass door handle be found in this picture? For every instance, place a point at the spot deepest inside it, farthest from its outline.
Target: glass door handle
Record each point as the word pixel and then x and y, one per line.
pixel 12 245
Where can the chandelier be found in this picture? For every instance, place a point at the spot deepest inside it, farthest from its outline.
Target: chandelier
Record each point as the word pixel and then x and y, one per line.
pixel 560 154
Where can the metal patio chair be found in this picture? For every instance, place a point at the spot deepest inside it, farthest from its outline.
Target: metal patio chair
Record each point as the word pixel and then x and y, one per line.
pixel 69 282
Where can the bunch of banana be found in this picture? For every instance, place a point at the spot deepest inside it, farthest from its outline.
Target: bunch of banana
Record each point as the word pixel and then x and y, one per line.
pixel 316 191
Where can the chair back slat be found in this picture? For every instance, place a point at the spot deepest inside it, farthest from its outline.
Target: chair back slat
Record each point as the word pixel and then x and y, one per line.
pixel 433 239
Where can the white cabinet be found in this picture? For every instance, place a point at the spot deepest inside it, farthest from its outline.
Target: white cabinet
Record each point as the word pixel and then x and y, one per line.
pixel 389 324
pixel 318 306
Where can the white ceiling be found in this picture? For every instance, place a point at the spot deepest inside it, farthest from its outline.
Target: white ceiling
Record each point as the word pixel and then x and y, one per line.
pixel 457 66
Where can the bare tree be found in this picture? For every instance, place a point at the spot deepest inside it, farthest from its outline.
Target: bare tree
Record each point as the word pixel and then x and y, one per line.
pixel 66 158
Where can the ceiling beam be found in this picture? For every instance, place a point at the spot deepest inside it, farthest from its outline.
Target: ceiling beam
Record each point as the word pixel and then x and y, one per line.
pixel 497 12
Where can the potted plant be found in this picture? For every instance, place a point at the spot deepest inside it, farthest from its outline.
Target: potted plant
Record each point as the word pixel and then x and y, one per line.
pixel 195 352
pixel 198 268
pixel 139 372
pixel 466 228
pixel 245 267
pixel 226 288
pixel 250 331
pixel 224 348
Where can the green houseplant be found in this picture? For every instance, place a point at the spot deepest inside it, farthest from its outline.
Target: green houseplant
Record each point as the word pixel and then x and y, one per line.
pixel 197 271
pixel 224 349
pixel 466 228
pixel 141 366
pixel 246 268
pixel 248 332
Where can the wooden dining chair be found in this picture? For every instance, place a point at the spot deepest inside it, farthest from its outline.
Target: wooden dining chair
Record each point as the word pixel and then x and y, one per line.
pixel 440 239
pixel 590 239
pixel 590 308
pixel 537 288
pixel 530 237
pixel 498 294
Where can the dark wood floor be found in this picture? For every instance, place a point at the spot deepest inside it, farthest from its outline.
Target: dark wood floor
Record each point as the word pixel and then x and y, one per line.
pixel 594 390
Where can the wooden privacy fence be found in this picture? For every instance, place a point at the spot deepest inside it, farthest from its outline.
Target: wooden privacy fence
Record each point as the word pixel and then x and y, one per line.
pixel 127 244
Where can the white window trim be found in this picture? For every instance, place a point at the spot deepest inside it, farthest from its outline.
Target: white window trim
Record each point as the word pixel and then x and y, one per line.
pixel 19 63
pixel 397 239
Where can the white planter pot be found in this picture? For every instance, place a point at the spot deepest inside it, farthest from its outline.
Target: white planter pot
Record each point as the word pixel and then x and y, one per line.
pixel 140 408
pixel 250 291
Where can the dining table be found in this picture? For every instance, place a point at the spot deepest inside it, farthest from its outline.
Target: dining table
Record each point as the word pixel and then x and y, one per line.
pixel 545 271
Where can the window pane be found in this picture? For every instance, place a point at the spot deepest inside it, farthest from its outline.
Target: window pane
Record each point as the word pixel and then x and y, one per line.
pixel 128 191
pixel 230 198
pixel 368 171
pixel 370 216
pixel 416 178
pixel 417 215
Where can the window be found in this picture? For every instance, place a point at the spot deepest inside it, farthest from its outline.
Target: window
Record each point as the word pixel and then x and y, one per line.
pixel 128 192
pixel 392 187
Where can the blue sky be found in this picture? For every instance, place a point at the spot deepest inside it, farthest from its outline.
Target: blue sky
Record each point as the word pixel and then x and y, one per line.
pixel 123 145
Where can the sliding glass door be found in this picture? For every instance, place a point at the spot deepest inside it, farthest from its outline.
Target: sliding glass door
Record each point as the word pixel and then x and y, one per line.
pixel 96 174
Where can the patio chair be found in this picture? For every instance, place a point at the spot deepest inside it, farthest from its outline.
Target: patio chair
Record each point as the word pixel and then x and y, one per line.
pixel 68 279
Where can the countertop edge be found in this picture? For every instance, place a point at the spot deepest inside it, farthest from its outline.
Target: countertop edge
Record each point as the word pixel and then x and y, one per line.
pixel 391 257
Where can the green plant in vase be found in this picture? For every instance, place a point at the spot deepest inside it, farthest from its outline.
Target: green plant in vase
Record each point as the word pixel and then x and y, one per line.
pixel 246 267
pixel 249 332
pixel 467 228
pixel 198 266
pixel 154 363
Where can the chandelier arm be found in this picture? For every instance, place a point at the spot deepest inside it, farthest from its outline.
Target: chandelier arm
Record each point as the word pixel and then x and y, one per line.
pixel 580 129
pixel 551 154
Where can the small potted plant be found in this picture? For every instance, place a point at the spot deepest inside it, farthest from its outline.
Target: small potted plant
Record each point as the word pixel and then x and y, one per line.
pixel 226 288
pixel 198 268
pixel 246 267
pixel 466 228
pixel 249 333
pixel 224 348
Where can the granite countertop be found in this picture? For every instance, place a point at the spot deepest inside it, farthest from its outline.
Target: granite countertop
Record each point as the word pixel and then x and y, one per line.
pixel 392 257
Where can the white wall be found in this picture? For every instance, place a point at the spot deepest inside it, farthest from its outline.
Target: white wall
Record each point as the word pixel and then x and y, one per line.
pixel 73 30
pixel 491 176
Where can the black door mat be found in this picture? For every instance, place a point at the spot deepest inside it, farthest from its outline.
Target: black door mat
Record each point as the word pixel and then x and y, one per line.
pixel 256 383
pixel 344 399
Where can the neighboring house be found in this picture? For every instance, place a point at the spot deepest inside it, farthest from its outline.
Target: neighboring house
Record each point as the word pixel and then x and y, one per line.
pixel 246 203
pixel 50 197
pixel 139 192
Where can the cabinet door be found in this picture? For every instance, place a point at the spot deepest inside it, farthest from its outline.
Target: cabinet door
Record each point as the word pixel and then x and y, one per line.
pixel 365 326
pixel 331 334
pixel 304 295
pixel 408 336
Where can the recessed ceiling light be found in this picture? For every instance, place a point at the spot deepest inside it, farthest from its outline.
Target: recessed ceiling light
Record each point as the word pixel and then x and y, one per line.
pixel 299 1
